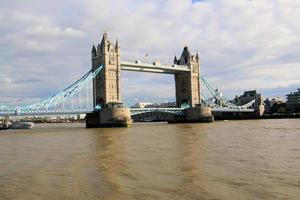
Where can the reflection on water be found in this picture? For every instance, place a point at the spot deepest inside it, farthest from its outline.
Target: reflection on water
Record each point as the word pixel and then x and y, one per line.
pixel 257 159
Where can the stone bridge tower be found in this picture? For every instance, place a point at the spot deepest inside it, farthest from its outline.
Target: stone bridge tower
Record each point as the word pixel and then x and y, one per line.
pixel 187 84
pixel 106 86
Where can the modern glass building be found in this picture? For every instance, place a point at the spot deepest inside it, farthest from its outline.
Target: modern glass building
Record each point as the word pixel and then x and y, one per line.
pixel 293 101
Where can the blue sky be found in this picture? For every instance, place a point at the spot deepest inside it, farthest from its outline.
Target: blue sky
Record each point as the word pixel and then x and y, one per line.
pixel 45 45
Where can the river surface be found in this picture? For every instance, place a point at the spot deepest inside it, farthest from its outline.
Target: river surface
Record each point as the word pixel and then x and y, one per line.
pixel 225 160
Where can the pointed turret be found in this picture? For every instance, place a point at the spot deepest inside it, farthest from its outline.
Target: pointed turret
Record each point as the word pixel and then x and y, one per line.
pixel 94 51
pixel 104 37
pixel 186 51
pixel 117 48
pixel 185 56
pixel 175 60
pixel 104 41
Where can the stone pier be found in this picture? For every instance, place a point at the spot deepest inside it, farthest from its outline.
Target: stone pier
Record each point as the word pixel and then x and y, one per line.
pixel 194 115
pixel 109 117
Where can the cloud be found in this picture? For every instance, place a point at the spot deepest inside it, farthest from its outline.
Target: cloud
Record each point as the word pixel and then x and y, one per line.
pixel 22 43
pixel 14 18
pixel 242 44
pixel 44 31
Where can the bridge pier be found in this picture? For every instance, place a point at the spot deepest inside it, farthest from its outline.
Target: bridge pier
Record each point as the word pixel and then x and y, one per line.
pixel 259 107
pixel 193 115
pixel 199 114
pixel 109 117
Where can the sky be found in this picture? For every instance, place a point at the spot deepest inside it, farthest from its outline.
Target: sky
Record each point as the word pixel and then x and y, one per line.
pixel 243 44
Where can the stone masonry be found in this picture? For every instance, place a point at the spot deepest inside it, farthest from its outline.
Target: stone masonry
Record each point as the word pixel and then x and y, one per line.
pixel 107 83
pixel 187 84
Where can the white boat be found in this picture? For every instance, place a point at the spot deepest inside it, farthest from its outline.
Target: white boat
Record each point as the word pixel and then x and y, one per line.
pixel 21 125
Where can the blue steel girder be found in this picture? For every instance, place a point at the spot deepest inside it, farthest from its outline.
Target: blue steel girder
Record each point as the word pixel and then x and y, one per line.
pixel 136 111
pixel 216 96
pixel 42 107
pixel 64 94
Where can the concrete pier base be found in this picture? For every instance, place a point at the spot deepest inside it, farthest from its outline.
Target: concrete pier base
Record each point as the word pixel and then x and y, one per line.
pixel 109 117
pixel 199 114
pixel 194 115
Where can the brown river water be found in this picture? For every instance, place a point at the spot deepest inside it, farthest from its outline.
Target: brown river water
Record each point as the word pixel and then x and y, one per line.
pixel 225 160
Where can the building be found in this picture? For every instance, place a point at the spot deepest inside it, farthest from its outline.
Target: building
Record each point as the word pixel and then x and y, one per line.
pixel 141 105
pixel 293 101
pixel 162 105
pixel 154 105
pixel 245 98
pixel 275 105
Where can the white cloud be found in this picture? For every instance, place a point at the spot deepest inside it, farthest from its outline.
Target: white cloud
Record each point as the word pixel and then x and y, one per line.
pixel 15 17
pixel 48 31
pixel 34 32
pixel 21 42
pixel 243 44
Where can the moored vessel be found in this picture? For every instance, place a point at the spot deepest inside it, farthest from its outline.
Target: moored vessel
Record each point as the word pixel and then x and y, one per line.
pixel 21 125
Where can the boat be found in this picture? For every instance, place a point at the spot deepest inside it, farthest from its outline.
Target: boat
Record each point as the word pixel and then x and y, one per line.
pixel 21 125
pixel 4 126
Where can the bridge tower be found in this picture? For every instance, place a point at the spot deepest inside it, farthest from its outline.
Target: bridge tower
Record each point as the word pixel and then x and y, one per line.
pixel 109 111
pixel 106 85
pixel 187 84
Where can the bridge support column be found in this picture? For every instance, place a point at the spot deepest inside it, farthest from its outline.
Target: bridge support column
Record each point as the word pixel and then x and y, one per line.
pixel 259 107
pixel 187 83
pixel 109 117
pixel 107 102
pixel 199 114
pixel 188 89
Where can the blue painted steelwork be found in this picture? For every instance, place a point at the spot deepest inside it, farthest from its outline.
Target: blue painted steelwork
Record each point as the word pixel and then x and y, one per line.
pixel 217 102
pixel 43 106
pixel 136 111
pixel 63 95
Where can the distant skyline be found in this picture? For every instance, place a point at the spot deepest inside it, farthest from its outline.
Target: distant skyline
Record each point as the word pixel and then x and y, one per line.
pixel 243 45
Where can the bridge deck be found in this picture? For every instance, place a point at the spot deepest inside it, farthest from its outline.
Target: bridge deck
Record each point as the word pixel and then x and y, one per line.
pixel 155 67
pixel 133 111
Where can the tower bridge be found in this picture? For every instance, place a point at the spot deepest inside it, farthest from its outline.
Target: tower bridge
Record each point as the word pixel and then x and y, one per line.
pixel 105 76
pixel 106 85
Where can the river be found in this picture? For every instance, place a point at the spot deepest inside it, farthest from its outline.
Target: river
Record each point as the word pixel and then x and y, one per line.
pixel 225 160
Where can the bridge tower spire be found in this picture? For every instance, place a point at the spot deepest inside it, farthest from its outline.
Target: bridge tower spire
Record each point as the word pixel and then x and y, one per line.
pixel 187 84
pixel 106 85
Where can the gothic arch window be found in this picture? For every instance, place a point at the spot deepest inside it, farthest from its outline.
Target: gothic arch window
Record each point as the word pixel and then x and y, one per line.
pixel 194 68
pixel 112 59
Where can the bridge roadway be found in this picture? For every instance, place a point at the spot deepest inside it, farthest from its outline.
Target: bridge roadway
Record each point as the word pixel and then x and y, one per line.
pixel 155 67
pixel 134 111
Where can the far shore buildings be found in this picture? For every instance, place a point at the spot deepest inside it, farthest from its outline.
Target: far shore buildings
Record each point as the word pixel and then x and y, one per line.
pixel 245 98
pixel 154 105
pixel 275 105
pixel 293 101
pixel 141 105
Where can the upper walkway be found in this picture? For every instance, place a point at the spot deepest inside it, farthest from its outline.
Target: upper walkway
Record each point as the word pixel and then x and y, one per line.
pixel 155 67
